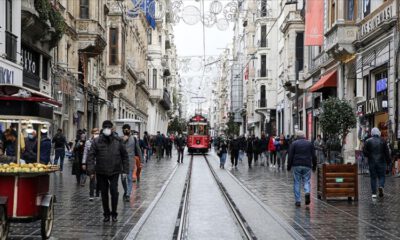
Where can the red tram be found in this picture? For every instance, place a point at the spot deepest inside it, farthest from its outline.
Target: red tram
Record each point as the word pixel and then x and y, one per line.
pixel 198 140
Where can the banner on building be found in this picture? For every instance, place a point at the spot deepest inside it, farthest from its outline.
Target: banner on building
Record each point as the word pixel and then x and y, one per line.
pixel 314 29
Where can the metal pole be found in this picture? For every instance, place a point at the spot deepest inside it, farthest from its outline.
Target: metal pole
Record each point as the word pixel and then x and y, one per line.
pixel 297 94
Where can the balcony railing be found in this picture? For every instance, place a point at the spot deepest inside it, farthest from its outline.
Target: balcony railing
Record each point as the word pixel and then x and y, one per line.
pixel 11 46
pixel 318 61
pixel 263 73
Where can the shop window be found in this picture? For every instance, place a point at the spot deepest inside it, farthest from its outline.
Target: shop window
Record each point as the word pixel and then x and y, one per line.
pixel 263 42
pixel 381 83
pixel 84 9
pixel 45 69
pixel 300 50
pixel 263 100
pixel 113 55
pixel 263 70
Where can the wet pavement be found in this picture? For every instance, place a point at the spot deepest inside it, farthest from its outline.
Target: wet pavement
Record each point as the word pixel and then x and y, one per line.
pixel 78 218
pixel 334 219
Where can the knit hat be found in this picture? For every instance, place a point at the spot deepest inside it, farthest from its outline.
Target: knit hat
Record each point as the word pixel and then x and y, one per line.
pixel 375 132
pixel 107 124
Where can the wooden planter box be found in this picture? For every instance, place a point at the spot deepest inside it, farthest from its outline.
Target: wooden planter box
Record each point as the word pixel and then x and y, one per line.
pixel 339 180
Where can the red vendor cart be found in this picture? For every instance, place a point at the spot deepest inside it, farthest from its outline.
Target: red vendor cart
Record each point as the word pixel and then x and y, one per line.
pixel 24 188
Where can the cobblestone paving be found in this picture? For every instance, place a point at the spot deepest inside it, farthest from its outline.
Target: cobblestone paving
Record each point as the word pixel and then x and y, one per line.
pixel 339 219
pixel 77 218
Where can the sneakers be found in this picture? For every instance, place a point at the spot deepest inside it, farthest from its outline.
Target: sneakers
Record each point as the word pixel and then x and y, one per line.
pixel 91 199
pixel 380 192
pixel 114 219
pixel 298 204
pixel 307 197
pixel 106 219
pixel 127 198
pixel 373 195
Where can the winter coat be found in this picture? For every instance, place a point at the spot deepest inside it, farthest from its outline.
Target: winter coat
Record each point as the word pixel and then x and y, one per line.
pixel 159 141
pixel 59 141
pixel 377 151
pixel 180 143
pixel 234 146
pixel 133 149
pixel 88 144
pixel 45 150
pixel 284 145
pixel 264 144
pixel 250 146
pixel 107 156
pixel 223 147
pixel 301 153
pixel 271 145
pixel 30 153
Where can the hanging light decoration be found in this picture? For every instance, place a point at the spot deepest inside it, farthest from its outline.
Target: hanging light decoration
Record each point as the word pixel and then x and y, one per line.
pixel 191 15
pixel 216 7
pixel 222 24
pixel 230 11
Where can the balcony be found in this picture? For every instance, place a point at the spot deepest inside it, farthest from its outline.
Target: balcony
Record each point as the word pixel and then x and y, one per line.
pixel 11 46
pixel 318 61
pixel 115 77
pixel 156 94
pixel 91 37
pixel 293 17
pixel 262 44
pixel 262 103
pixel 166 100
pixel 339 41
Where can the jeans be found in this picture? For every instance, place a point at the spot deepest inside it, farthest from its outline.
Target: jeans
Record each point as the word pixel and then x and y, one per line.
pixel 59 154
pixel 272 156
pixel 264 158
pixel 282 158
pixel 301 175
pixel 180 155
pixel 124 183
pixel 129 180
pixel 222 159
pixel 159 153
pixel 250 158
pixel 241 155
pixel 107 183
pixel 377 171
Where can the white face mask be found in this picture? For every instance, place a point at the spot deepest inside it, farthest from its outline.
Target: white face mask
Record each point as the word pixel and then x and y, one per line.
pixel 107 131
pixel 95 135
pixel 135 135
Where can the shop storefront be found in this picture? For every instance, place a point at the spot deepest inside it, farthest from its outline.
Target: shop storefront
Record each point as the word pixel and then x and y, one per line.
pixel 374 113
pixel 10 73
pixel 309 116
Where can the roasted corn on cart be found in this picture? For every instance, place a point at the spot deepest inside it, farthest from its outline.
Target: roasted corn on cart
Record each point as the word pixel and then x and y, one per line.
pixel 24 188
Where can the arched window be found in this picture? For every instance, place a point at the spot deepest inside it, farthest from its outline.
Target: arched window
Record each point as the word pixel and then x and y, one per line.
pixel 263 100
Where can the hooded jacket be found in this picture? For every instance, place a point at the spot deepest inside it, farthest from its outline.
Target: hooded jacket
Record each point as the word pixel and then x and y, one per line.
pixel 301 153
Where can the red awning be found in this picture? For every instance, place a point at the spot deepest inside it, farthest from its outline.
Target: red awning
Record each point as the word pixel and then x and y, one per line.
pixel 10 93
pixel 328 80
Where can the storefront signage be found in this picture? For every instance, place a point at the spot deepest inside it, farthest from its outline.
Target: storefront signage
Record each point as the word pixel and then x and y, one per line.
pixel 30 60
pixel 372 106
pixel 6 76
pixel 377 20
pixel 381 85
pixel 309 124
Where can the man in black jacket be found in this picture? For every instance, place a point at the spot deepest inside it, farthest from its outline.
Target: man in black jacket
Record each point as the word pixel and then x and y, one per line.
pixel 377 152
pixel 60 142
pixel 234 150
pixel 180 146
pixel 302 158
pixel 108 158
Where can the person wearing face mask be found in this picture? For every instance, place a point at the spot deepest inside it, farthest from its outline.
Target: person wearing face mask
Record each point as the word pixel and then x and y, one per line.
pixel 93 184
pixel 29 154
pixel 60 143
pixel 108 158
pixel 132 147
pixel 78 166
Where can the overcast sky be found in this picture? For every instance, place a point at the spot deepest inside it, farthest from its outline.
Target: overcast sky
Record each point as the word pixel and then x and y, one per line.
pixel 189 42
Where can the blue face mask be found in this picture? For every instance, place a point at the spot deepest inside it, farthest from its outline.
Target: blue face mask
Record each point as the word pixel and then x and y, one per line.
pixel 30 136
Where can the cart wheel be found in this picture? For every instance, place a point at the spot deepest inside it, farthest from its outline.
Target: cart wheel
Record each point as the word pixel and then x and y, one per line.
pixel 47 221
pixel 4 224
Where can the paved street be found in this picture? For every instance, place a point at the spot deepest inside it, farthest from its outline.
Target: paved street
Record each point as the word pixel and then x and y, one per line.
pixel 77 218
pixel 365 219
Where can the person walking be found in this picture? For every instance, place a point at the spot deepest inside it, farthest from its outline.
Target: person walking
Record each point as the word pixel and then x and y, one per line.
pixel 256 149
pixel 242 147
pixel 147 146
pixel 108 158
pixel 319 146
pixel 60 143
pixel 283 149
pixel 272 150
pixel 234 151
pixel 250 150
pixel 222 152
pixel 168 146
pixel 77 167
pixel 264 150
pixel 159 142
pixel 93 183
pixel 302 158
pixel 377 152
pixel 180 146
pixel 132 147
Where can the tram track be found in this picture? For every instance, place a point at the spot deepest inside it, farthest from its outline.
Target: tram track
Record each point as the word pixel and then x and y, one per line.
pixel 181 226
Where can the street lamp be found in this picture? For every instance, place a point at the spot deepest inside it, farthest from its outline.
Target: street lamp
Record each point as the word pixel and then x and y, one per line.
pixel 297 120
